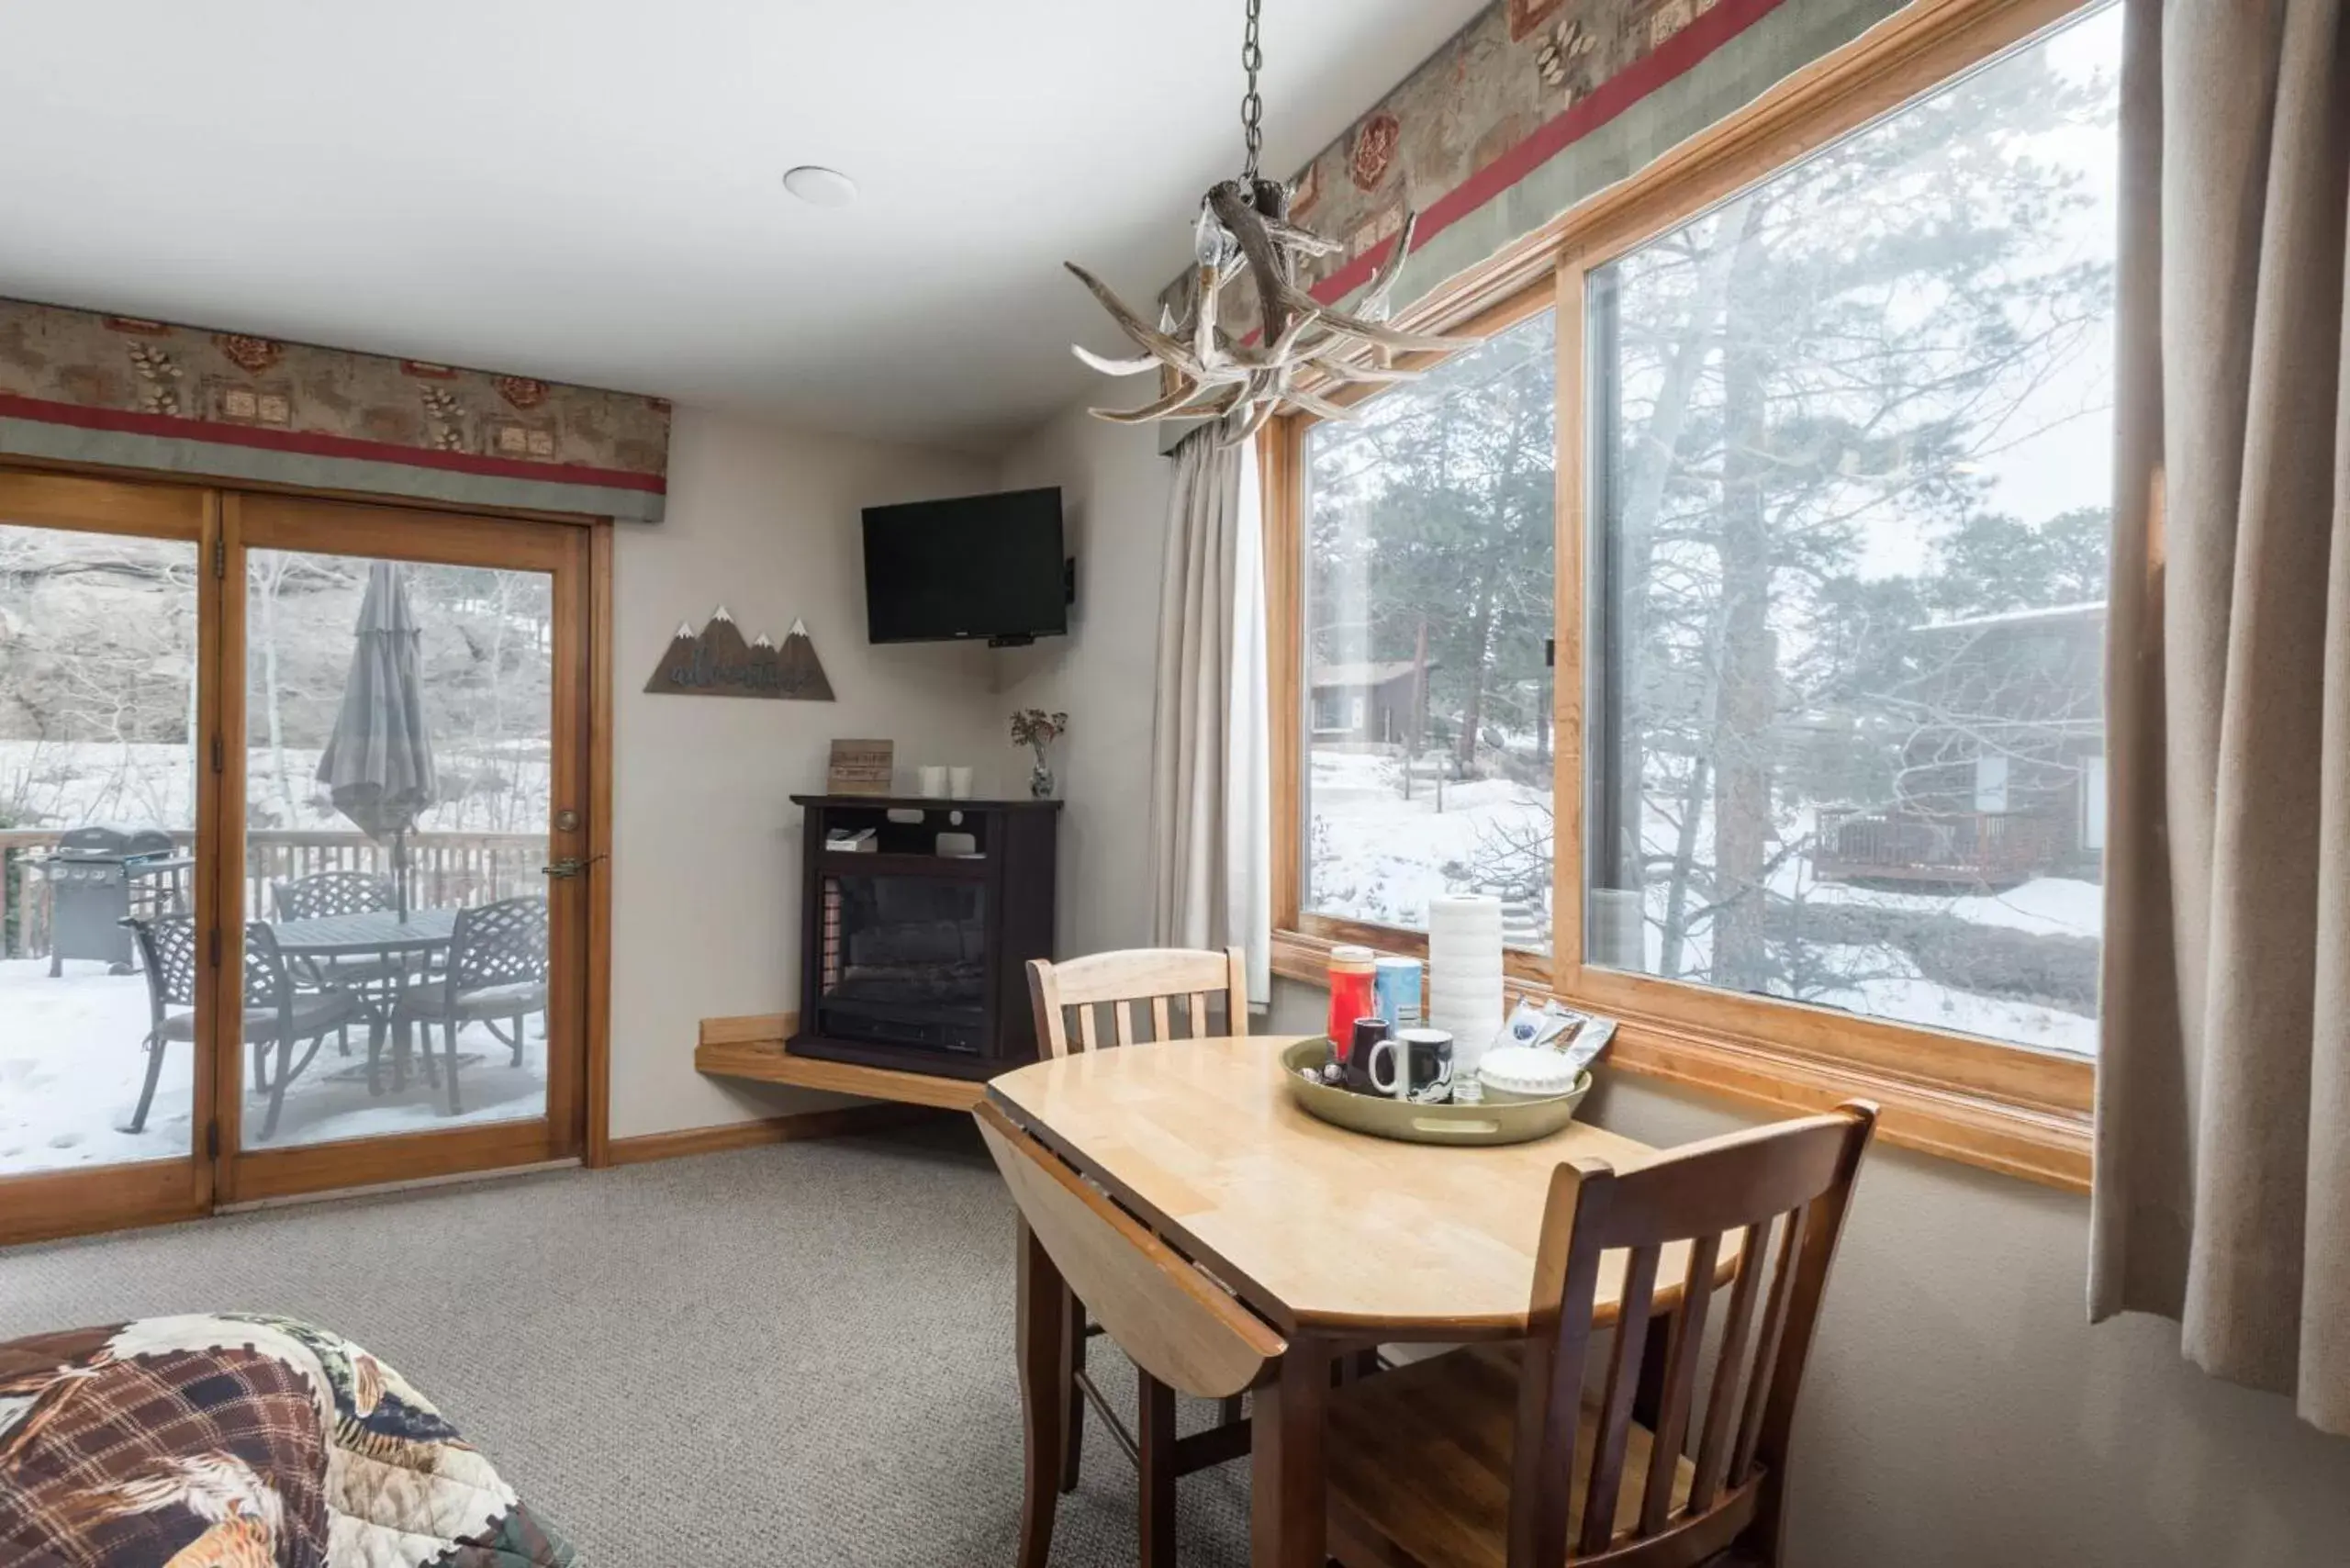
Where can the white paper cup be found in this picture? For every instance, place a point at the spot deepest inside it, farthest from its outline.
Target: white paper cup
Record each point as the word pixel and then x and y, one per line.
pixel 959 781
pixel 934 783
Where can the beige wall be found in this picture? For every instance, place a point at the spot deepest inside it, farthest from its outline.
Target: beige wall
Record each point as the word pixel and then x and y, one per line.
pixel 705 840
pixel 1960 1411
pixel 1113 495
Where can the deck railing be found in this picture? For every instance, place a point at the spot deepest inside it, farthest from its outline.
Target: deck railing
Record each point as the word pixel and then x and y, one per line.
pixel 1910 845
pixel 445 869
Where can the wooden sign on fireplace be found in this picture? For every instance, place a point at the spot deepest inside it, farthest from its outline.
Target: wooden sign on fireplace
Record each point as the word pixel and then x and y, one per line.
pixel 916 961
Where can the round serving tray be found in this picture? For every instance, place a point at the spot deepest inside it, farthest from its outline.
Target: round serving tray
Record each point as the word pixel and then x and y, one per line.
pixel 1511 1119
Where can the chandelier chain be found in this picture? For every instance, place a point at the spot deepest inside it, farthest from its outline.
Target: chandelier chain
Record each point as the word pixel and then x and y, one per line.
pixel 1252 107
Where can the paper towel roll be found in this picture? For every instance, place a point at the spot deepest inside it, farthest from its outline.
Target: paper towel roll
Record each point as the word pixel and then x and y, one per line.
pixel 1465 973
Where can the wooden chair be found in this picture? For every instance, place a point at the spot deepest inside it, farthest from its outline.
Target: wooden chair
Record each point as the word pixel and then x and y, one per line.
pixel 1180 1328
pixel 1155 977
pixel 1495 1457
pixel 1160 981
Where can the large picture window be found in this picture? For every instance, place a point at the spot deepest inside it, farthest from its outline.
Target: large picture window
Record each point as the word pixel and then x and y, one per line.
pixel 1734 610
pixel 1849 503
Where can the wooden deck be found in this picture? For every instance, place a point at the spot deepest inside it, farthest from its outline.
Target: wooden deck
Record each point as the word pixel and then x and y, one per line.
pixel 1986 850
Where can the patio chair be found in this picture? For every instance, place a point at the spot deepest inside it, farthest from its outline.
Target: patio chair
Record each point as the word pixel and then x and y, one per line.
pixel 331 892
pixel 326 893
pixel 498 969
pixel 276 1010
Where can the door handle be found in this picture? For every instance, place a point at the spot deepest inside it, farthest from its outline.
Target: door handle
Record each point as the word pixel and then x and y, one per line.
pixel 570 866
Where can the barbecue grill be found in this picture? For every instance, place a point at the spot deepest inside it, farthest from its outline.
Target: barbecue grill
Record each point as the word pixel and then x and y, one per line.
pixel 98 877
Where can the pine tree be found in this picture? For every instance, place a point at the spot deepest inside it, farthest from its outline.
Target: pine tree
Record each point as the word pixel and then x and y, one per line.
pixel 1800 377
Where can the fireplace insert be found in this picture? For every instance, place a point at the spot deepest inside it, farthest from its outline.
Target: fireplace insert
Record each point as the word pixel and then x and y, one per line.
pixel 904 960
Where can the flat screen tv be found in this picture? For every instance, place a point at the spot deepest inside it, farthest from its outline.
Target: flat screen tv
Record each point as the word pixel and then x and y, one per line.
pixel 980 567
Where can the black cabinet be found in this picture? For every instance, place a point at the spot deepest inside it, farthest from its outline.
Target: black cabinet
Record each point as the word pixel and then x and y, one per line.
pixel 914 959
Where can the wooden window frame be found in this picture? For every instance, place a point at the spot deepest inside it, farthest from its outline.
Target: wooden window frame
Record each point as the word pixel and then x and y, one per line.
pixel 2013 1109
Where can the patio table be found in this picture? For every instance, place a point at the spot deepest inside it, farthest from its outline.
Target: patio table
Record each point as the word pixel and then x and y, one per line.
pixel 374 933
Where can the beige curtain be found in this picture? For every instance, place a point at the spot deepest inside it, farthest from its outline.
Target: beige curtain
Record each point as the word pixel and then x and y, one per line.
pixel 2222 1172
pixel 1211 818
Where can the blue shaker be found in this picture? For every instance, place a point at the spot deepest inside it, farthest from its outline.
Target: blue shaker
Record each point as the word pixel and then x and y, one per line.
pixel 1395 991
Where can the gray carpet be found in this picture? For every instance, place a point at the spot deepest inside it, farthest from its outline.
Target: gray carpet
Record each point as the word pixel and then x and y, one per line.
pixel 790 1355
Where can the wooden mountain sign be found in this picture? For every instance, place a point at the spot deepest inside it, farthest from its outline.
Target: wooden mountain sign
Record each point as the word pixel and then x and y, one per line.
pixel 716 662
pixel 799 669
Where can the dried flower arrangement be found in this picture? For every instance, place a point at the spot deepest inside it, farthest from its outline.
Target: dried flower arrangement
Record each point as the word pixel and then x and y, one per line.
pixel 1037 730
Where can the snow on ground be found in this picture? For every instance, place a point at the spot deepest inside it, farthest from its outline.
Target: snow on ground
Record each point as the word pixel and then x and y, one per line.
pixel 2049 906
pixel 71 1066
pixel 1904 997
pixel 1379 858
pixel 2046 906
pixel 1936 1006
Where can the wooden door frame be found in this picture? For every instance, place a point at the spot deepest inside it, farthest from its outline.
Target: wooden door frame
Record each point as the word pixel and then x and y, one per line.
pixel 597 1150
pixel 91 498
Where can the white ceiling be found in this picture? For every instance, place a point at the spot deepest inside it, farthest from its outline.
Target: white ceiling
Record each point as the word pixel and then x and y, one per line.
pixel 589 190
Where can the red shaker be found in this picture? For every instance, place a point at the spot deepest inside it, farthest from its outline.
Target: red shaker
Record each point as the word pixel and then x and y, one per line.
pixel 1351 972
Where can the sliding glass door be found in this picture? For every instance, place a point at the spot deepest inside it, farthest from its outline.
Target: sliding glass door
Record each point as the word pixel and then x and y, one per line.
pixel 106 615
pixel 292 819
pixel 410 717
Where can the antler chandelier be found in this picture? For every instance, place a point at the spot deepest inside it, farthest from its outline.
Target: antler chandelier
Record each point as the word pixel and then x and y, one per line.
pixel 1244 228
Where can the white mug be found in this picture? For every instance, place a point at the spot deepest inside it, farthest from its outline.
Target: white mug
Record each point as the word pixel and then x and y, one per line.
pixel 934 783
pixel 959 783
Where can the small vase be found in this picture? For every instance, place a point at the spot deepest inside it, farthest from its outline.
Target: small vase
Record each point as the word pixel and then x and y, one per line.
pixel 1040 777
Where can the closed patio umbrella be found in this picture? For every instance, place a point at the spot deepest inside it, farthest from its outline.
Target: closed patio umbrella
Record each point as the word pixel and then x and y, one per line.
pixel 378 766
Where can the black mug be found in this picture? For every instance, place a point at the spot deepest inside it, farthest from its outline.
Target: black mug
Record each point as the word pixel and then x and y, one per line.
pixel 1411 1064
pixel 1367 1033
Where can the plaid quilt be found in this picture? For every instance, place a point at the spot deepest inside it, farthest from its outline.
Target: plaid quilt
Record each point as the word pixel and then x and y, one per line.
pixel 238 1441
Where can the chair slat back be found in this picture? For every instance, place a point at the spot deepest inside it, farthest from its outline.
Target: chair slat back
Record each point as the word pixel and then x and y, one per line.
pixel 1121 983
pixel 167 957
pixel 268 985
pixel 167 953
pixel 503 943
pixel 331 892
pixel 1171 1319
pixel 1777 1197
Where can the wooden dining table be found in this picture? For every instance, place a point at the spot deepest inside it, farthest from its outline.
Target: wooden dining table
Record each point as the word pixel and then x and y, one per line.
pixel 1340 1241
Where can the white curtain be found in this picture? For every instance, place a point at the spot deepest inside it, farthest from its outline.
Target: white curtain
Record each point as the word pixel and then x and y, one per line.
pixel 1211 780
pixel 2221 1193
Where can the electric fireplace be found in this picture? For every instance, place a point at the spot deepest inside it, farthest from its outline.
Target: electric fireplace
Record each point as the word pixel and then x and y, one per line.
pixel 919 918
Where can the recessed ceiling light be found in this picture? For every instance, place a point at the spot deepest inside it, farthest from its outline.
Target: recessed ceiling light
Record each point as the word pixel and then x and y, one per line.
pixel 820 186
